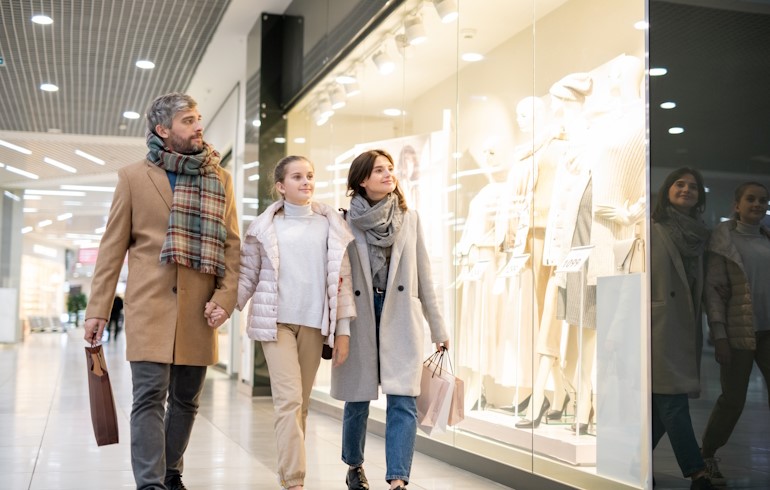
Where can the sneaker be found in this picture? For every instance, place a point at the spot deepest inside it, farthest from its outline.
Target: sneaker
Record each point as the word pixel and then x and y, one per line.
pixel 712 471
pixel 702 483
pixel 175 483
pixel 356 479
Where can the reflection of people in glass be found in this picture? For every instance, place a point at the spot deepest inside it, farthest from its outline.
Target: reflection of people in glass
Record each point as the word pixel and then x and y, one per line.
pixel 408 174
pixel 678 237
pixel 739 251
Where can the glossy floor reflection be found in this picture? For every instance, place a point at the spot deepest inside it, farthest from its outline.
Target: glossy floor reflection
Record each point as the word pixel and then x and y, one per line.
pixel 745 460
pixel 47 441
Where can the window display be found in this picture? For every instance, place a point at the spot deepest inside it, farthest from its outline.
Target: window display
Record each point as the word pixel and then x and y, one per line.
pixel 518 160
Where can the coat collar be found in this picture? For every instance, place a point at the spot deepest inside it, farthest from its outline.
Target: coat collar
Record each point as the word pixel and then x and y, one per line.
pixel 395 252
pixel 160 180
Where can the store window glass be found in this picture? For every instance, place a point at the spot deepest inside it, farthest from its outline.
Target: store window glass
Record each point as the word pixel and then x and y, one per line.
pixel 518 132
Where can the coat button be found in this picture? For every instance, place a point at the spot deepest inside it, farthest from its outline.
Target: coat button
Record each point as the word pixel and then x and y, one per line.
pixel 673 294
pixel 173 290
pixel 401 288
pixel 358 293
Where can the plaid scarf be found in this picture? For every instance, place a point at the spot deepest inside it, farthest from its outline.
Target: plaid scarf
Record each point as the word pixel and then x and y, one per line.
pixel 196 230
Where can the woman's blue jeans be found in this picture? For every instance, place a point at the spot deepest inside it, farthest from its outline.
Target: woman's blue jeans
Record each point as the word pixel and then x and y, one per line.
pixel 400 425
pixel 671 415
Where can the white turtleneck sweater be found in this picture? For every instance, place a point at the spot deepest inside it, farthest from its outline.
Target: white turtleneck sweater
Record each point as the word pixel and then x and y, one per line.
pixel 302 247
pixel 754 248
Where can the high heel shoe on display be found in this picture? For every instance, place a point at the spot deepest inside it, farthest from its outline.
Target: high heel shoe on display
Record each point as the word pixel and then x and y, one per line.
pixel 557 414
pixel 534 424
pixel 583 428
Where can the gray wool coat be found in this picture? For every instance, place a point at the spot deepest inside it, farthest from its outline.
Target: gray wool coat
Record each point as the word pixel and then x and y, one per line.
pixel 410 300
pixel 677 334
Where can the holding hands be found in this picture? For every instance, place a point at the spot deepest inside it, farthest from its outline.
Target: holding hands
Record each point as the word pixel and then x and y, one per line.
pixel 215 314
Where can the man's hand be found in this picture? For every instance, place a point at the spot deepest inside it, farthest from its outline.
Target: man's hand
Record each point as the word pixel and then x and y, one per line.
pixel 94 329
pixel 215 314
pixel 341 350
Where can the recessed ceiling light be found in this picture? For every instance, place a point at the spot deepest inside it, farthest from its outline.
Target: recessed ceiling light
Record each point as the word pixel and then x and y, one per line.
pixel 280 140
pixel 49 87
pixel 675 130
pixel 472 57
pixel 87 188
pixel 21 172
pixel 15 147
pixel 131 115
pixel 64 216
pixel 44 223
pixel 42 19
pixel 256 123
pixel 26 230
pixel 88 156
pixel 29 210
pixel 58 164
pixel 641 25
pixel 46 192
pixel 299 141
pixel 145 64
pixel 668 105
pixel 392 112
pixel 657 72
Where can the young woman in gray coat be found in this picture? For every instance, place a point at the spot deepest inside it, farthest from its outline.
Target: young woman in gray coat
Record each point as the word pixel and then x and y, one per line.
pixel 393 294
pixel 678 239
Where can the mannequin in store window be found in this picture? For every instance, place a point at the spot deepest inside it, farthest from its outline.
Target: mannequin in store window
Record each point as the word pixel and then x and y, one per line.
pixel 572 179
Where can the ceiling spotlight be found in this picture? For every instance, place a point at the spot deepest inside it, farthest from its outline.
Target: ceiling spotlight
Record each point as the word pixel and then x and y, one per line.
pixel 317 117
pixel 392 112
pixel 675 130
pixel 325 106
pixel 337 96
pixel 41 19
pixel 385 64
pixel 657 72
pixel 352 89
pixel 346 79
pixel 668 105
pixel 415 31
pixel 641 25
pixel 49 87
pixel 131 115
pixel 256 123
pixel 447 10
pixel 145 64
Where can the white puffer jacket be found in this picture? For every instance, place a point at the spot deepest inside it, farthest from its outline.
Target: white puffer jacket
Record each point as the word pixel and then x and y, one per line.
pixel 260 267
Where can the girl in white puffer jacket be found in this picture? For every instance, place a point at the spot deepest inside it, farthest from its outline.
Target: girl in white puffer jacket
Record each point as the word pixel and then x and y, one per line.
pixel 295 270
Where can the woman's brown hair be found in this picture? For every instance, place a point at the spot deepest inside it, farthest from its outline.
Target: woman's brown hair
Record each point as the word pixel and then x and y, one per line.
pixel 361 169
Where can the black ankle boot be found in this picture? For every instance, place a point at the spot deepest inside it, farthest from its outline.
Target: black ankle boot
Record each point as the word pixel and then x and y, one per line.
pixel 356 479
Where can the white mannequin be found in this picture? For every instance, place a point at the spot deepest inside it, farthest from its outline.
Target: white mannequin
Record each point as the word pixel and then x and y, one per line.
pixel 572 175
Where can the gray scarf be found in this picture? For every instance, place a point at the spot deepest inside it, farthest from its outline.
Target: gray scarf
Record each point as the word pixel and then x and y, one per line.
pixel 380 224
pixel 689 235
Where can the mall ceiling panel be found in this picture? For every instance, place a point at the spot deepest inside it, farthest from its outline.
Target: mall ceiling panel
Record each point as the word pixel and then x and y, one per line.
pixel 89 52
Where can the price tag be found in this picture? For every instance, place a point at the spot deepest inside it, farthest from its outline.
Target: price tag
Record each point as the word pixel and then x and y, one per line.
pixel 476 272
pixel 575 259
pixel 514 266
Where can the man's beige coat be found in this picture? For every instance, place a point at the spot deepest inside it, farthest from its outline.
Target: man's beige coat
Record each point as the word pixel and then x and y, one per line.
pixel 164 303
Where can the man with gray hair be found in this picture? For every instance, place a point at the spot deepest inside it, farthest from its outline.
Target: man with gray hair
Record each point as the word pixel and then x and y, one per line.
pixel 174 214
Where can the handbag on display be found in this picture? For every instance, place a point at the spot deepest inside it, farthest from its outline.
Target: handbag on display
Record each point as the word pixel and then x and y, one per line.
pixel 103 414
pixel 630 254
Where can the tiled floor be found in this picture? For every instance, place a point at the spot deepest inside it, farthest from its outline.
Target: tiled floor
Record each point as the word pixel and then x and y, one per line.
pixel 46 439
pixel 746 457
pixel 47 442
